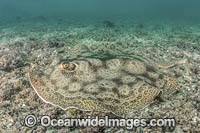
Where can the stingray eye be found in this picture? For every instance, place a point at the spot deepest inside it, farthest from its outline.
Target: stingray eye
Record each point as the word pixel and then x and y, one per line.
pixel 68 66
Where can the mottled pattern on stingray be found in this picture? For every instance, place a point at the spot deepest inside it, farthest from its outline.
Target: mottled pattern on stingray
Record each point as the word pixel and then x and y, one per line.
pixel 118 85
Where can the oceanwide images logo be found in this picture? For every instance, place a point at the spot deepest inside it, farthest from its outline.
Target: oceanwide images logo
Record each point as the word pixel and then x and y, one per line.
pixel 47 121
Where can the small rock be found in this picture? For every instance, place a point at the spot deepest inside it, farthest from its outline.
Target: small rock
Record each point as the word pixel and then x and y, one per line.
pixel 178 129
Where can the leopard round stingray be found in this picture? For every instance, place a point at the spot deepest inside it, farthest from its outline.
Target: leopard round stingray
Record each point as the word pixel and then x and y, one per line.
pixel 117 85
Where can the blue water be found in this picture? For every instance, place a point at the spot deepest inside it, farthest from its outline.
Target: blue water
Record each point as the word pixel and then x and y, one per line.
pixel 98 21
pixel 173 10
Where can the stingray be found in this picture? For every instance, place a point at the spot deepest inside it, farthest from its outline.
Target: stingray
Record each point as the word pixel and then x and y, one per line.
pixel 117 85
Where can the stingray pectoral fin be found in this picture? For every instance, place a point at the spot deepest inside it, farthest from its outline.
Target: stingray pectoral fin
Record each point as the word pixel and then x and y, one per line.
pixel 38 86
pixel 172 64
pixel 41 87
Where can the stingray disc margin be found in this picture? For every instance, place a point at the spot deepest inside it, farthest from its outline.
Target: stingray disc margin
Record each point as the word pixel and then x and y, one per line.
pixel 55 105
pixel 35 89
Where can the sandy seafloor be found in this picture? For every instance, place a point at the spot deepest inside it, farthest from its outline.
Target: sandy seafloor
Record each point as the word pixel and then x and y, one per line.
pixel 25 43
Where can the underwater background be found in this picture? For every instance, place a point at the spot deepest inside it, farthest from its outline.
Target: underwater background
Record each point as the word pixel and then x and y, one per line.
pixel 89 19
pixel 173 10
pixel 35 33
